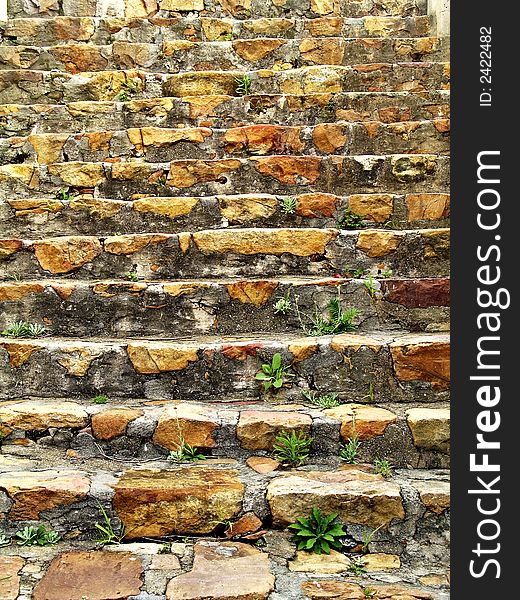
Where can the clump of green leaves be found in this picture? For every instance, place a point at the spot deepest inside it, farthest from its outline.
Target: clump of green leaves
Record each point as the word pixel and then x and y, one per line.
pixel 370 286
pixel 109 535
pixel 318 533
pixel 288 205
pixel 367 538
pixel 226 37
pixel 322 400
pixel 387 273
pixel 357 566
pixel 36 536
pixel 383 467
pixel 274 374
pixel 4 540
pixel 292 448
pixel 243 85
pixel 283 305
pixel 63 194
pixel 369 592
pixel 127 89
pixel 185 453
pixel 338 320
pixel 349 451
pixel 351 220
pixel 353 273
pixel 100 399
pixel 132 276
pixel 24 329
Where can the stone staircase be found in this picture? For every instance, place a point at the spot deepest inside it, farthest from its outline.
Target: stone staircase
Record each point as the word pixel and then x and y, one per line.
pixel 187 187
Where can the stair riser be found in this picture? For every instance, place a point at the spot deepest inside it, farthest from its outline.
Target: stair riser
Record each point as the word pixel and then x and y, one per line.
pixel 85 215
pixel 94 310
pixel 102 31
pixel 171 57
pixel 148 434
pixel 241 8
pixel 30 87
pixel 207 373
pixel 231 253
pixel 224 112
pixel 282 175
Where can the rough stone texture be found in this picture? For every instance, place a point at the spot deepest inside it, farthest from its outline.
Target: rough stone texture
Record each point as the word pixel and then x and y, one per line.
pixel 262 464
pixel 62 255
pixel 191 423
pixel 351 590
pixel 35 416
pixel 256 430
pixel 35 492
pixel 429 361
pixel 308 562
pixel 111 423
pixel 364 421
pixel 359 497
pixel 154 358
pixel 10 567
pixel 382 562
pixel 430 428
pixel 94 575
pixel 435 495
pixel 228 571
pixel 186 501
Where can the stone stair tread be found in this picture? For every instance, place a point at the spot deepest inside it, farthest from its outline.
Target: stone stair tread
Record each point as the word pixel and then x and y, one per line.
pixel 159 144
pixel 273 174
pixel 102 30
pixel 224 111
pixel 140 429
pixel 387 365
pixel 175 56
pixel 33 86
pixel 230 305
pixel 238 251
pixel 239 9
pixel 242 568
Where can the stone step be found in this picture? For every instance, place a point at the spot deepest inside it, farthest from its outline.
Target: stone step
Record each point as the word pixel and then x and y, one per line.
pixel 156 30
pixel 206 307
pixel 201 569
pixel 245 54
pixel 251 252
pixel 243 9
pixel 161 500
pixel 283 175
pixel 390 367
pixel 417 437
pixel 84 214
pixel 157 144
pixel 223 111
pixel 33 87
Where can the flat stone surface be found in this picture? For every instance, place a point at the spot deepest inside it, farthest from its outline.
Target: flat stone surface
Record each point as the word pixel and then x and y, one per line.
pixel 435 495
pixel 359 497
pixel 256 430
pixel 430 428
pixel 227 571
pixel 9 578
pixel 186 501
pixel 382 562
pixel 95 575
pixel 351 590
pixel 36 416
pixel 262 464
pixel 38 491
pixel 365 421
pixel 191 423
pixel 111 423
pixel 308 562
